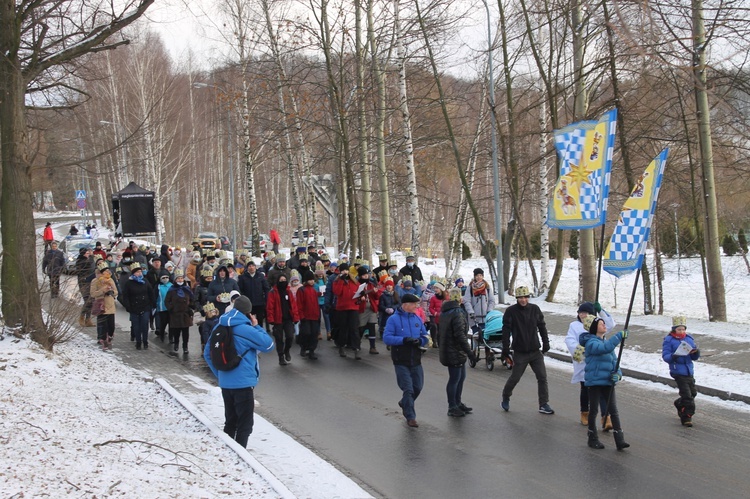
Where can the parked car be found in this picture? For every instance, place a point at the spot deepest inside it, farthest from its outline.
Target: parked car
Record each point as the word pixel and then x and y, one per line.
pixel 71 246
pixel 308 237
pixel 265 242
pixel 209 240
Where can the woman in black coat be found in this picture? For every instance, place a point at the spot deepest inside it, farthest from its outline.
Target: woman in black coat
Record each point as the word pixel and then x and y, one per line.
pixel 454 350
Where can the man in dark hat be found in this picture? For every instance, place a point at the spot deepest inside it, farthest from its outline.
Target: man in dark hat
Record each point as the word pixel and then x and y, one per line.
pixel 238 384
pixel 406 335
pixel 254 285
pixel 294 261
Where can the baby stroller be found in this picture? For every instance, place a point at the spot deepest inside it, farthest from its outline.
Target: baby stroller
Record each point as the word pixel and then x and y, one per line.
pixel 489 337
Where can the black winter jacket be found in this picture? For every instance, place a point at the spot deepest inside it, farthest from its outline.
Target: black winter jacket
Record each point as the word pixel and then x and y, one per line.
pixel 254 287
pixel 137 297
pixel 522 323
pixel 452 340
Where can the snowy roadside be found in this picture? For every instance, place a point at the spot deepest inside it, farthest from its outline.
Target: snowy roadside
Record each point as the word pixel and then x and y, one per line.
pixel 79 421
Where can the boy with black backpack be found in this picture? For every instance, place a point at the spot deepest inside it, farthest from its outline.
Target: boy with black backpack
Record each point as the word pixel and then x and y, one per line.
pixel 236 341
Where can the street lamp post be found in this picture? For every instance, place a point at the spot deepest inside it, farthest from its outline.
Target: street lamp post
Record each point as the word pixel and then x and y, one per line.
pixel 677 238
pixel 495 170
pixel 231 162
pixel 120 139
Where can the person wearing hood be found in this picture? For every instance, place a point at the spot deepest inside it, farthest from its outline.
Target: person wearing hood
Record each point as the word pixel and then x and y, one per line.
pixel 601 375
pixel 237 385
pixel 233 295
pixel 411 268
pixel 180 303
pixel 84 273
pixel 218 290
pixel 523 322
pixel 282 315
pixel 679 350
pixel 454 350
pixel 406 335
pixel 165 255
pixel 138 299
pixel 575 330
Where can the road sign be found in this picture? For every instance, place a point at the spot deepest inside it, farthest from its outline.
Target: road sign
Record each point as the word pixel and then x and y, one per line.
pixel 81 204
pixel 80 194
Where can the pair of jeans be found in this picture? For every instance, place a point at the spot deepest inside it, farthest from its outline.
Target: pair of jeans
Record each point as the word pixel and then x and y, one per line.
pixel 585 399
pixel 536 361
pixel 411 380
pixel 596 393
pixel 455 386
pixel 239 404
pixel 139 326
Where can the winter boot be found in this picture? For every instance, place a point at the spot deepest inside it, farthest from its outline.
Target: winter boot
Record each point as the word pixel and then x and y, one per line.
pixel 606 423
pixel 594 442
pixel 455 412
pixel 342 352
pixel 465 408
pixel 282 360
pixel 356 354
pixel 585 418
pixel 81 321
pixel 89 322
pixel 620 440
pixel 311 355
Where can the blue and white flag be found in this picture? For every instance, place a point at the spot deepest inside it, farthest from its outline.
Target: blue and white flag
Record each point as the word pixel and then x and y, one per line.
pixel 585 153
pixel 630 238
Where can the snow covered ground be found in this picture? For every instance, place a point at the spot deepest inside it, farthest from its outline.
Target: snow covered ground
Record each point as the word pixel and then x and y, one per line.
pixel 79 422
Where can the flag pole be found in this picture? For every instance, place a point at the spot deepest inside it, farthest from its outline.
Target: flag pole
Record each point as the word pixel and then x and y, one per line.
pixel 622 345
pixel 599 270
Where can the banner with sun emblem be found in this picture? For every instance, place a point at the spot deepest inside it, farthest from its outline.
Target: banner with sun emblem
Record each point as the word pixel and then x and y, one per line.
pixel 630 237
pixel 585 150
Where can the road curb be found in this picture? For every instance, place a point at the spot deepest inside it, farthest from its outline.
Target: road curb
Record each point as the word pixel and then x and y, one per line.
pixel 705 390
pixel 243 454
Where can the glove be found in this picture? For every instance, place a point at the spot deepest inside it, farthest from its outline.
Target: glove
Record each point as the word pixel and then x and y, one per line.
pixel 616 377
pixel 388 311
pixel 597 307
pixel 624 334
pixel 412 341
pixel 472 358
pixel 545 347
pixel 579 354
pixel 505 353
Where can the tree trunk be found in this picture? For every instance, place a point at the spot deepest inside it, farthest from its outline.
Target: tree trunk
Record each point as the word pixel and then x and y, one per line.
pixel 380 109
pixel 411 173
pixel 365 212
pixel 21 301
pixel 713 256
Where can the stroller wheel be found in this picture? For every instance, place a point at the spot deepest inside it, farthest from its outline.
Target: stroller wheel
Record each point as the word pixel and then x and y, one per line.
pixel 490 364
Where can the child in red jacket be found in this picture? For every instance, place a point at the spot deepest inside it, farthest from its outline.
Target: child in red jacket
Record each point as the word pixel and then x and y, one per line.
pixel 309 314
pixel 282 314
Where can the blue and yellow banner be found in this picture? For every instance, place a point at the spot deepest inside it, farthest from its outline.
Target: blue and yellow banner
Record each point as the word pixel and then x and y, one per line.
pixel 630 238
pixel 585 153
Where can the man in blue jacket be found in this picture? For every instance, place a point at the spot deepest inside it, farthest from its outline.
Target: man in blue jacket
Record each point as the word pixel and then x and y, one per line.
pixel 405 334
pixel 237 385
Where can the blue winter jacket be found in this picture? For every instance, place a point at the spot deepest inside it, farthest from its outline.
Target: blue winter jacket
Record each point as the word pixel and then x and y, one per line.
pixel 162 290
pixel 403 325
pixel 247 338
pixel 679 365
pixel 600 358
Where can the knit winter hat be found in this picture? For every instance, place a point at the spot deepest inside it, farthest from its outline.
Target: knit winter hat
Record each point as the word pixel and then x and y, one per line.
pixel 307 275
pixel 587 307
pixel 459 282
pixel 478 271
pixel 294 276
pixel 438 286
pixel 197 257
pixel 594 324
pixel 587 321
pixel 388 282
pixel 455 294
pixel 243 305
pixel 362 270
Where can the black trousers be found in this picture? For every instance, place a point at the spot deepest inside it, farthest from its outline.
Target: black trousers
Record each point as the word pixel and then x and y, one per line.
pixel 308 334
pixel 348 333
pixel 536 361
pixel 685 404
pixel 105 326
pixel 596 393
pixel 283 334
pixel 176 332
pixel 239 404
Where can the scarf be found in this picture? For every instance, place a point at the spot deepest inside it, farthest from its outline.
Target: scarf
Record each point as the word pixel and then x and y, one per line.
pixel 183 291
pixel 479 288
pixel 137 278
pixel 678 335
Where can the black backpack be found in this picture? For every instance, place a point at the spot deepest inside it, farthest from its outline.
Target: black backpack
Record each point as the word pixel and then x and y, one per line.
pixel 223 352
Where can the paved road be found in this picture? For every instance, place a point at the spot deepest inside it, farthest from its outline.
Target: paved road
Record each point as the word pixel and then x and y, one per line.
pixel 345 410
